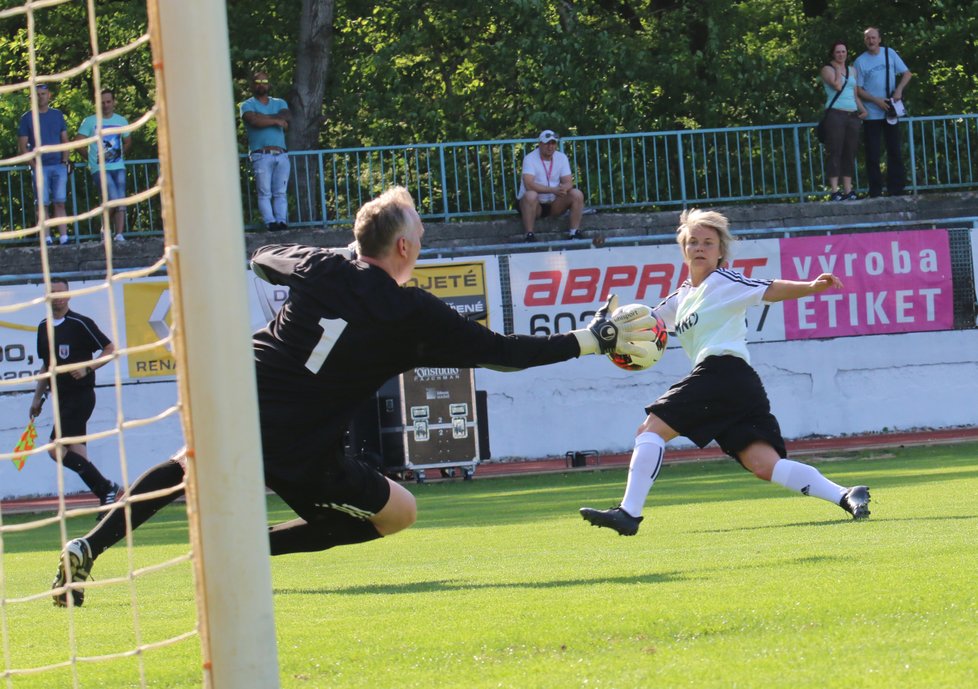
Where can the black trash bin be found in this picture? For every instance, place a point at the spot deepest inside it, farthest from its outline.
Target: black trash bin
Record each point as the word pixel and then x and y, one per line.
pixel 578 458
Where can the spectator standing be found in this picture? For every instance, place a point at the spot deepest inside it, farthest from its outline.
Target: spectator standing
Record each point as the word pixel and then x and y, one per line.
pixel 115 145
pixel 266 119
pixel 882 95
pixel 844 110
pixel 76 340
pixel 53 164
pixel 547 188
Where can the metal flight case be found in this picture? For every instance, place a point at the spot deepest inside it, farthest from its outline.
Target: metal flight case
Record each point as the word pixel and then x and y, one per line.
pixel 424 420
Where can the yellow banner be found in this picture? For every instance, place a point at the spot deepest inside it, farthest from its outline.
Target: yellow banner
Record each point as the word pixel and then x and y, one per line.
pixel 149 319
pixel 461 285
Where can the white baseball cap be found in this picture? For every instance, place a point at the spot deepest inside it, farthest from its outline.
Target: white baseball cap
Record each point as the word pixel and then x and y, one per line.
pixel 548 135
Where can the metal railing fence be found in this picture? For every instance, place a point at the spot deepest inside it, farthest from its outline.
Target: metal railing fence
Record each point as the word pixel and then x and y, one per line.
pixel 457 180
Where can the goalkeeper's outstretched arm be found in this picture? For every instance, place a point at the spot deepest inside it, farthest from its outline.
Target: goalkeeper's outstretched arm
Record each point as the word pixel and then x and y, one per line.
pixel 614 330
pixel 277 263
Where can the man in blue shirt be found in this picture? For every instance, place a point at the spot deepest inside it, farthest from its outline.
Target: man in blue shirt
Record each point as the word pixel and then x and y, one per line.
pixel 882 95
pixel 266 119
pixel 53 165
pixel 114 145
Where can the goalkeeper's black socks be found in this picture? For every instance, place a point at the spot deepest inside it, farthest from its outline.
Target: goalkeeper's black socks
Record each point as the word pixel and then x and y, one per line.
pixel 112 529
pixel 300 536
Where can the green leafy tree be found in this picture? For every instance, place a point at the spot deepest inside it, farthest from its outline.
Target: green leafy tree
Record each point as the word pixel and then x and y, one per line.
pixel 364 73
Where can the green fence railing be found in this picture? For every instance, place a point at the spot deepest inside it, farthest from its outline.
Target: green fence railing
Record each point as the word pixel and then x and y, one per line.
pixel 458 180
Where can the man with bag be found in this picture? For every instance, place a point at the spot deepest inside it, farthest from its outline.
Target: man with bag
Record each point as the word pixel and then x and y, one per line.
pixel 882 95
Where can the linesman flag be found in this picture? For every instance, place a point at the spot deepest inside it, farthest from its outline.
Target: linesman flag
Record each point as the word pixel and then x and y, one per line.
pixel 25 445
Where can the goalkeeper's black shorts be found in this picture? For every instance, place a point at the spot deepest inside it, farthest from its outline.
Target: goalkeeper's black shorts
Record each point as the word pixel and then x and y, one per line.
pixel 336 484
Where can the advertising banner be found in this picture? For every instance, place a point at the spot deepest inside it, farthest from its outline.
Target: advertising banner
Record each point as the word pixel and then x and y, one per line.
pixel 556 292
pixel 895 282
pixel 148 319
pixel 144 314
pixel 461 285
pixel 18 327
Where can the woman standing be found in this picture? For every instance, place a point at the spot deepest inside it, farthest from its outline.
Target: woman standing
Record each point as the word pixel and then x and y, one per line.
pixel 722 398
pixel 844 111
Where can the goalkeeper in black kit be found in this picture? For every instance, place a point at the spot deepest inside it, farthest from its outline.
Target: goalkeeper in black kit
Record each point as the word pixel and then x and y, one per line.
pixel 348 326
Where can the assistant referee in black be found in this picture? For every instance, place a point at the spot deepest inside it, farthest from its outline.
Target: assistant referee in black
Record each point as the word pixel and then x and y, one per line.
pixel 77 339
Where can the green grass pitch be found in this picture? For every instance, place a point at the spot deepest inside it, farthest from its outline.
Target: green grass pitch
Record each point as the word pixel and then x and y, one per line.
pixel 729 583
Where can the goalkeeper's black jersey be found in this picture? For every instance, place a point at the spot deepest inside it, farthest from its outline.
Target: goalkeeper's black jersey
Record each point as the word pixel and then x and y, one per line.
pixel 346 328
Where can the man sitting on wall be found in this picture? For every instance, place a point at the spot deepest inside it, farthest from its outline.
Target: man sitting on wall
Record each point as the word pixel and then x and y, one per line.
pixel 547 188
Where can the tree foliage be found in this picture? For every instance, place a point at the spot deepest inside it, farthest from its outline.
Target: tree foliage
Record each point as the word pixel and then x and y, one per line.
pixel 447 70
pixel 63 41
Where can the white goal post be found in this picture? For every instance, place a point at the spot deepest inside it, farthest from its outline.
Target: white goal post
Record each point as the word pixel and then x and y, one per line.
pixel 206 261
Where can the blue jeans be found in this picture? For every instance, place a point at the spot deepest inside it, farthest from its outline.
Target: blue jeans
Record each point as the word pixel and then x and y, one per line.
pixel 272 178
pixel 115 183
pixel 55 183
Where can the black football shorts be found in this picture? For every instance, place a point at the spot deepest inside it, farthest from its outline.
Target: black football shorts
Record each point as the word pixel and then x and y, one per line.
pixel 75 409
pixel 336 484
pixel 721 399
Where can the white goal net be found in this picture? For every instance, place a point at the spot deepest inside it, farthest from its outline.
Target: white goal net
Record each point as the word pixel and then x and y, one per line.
pixel 188 594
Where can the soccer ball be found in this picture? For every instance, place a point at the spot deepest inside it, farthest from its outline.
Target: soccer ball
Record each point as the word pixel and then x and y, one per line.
pixel 653 350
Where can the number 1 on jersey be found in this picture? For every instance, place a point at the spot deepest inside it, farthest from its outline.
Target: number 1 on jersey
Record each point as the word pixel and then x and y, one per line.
pixel 332 329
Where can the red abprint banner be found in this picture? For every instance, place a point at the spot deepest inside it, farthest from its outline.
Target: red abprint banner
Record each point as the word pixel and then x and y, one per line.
pixel 895 282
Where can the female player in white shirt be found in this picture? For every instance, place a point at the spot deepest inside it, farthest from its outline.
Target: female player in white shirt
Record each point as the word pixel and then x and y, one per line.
pixel 722 398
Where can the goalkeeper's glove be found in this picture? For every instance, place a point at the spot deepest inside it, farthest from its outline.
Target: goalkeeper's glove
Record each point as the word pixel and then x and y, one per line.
pixel 615 329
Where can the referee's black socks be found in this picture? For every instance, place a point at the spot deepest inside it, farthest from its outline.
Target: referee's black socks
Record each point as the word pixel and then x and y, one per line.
pixel 92 477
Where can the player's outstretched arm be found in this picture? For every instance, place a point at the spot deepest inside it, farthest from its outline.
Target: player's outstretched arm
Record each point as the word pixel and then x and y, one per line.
pixel 277 263
pixel 614 330
pixel 781 290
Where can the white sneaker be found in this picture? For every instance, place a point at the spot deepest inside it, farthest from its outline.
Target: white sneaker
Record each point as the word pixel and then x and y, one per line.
pixel 63 239
pixel 119 238
pixel 48 240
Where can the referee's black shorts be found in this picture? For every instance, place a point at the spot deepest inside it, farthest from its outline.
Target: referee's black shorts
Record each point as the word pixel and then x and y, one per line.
pixel 74 409
pixel 721 399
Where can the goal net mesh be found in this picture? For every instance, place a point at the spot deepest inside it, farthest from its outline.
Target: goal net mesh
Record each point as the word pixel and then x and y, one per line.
pixel 139 614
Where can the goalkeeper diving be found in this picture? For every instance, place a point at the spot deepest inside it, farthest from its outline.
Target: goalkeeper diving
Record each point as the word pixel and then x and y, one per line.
pixel 348 325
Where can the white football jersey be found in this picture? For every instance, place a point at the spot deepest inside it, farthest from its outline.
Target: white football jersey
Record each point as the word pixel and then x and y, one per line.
pixel 710 320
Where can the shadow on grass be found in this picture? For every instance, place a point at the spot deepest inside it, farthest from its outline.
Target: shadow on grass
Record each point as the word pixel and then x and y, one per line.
pixel 844 520
pixel 442 585
pixel 445 585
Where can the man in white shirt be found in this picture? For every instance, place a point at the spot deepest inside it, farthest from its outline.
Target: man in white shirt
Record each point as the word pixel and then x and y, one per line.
pixel 547 188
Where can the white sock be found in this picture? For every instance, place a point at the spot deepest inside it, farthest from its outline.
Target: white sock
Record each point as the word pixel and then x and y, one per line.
pixel 807 480
pixel 642 470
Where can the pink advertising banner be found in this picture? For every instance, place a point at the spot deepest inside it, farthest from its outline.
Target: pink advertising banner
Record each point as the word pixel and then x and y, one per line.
pixel 895 282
